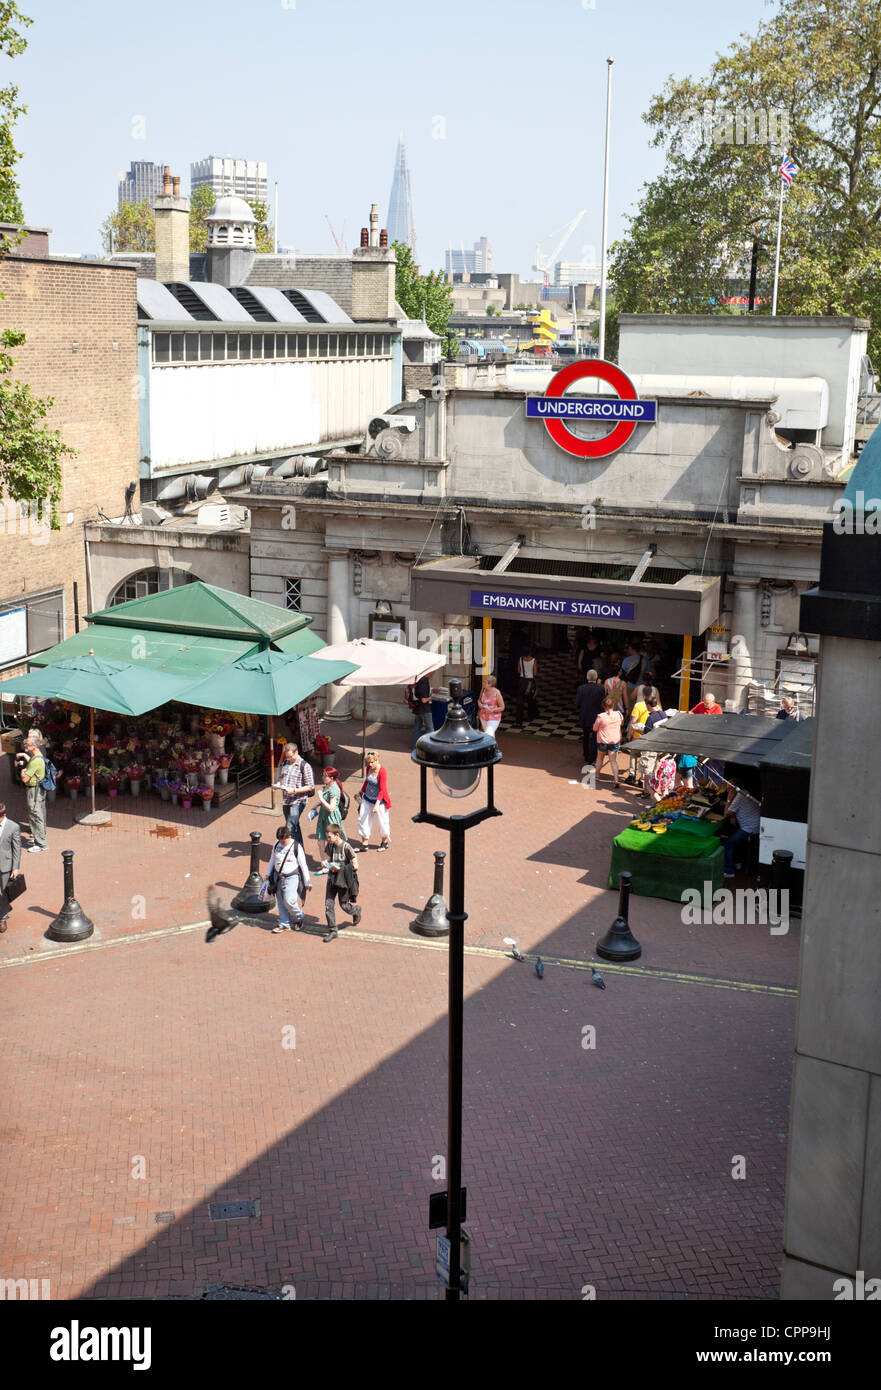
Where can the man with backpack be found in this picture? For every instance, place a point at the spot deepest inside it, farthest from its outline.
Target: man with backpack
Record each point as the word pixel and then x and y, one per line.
pixel 34 776
pixel 418 696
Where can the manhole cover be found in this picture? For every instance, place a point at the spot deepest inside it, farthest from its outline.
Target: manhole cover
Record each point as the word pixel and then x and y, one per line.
pixel 221 1293
pixel 164 1218
pixel 233 1211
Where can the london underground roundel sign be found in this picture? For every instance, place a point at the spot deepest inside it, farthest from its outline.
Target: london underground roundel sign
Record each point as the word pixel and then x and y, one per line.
pixel 624 411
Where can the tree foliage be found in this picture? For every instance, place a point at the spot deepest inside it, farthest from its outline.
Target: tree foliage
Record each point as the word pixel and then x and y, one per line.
pixel 429 293
pixel 30 455
pixel 12 42
pixel 806 84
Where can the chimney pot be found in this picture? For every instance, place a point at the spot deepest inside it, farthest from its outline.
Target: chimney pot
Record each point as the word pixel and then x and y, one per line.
pixel 166 181
pixel 175 183
pixel 374 225
pixel 383 237
pixel 364 237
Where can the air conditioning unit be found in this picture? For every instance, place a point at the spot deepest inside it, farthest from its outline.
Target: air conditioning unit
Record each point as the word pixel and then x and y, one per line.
pixel 215 514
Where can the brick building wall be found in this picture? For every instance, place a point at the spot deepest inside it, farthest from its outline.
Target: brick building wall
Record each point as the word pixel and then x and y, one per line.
pixel 80 319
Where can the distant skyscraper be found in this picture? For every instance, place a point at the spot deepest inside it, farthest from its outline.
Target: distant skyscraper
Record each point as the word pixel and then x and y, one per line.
pixel 479 260
pixel 246 178
pixel 143 180
pixel 400 208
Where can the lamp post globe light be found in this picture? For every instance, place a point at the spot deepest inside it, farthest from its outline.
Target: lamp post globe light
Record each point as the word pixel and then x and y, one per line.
pixel 457 755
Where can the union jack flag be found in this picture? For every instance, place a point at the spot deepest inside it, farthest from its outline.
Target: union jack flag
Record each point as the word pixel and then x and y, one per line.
pixel 787 169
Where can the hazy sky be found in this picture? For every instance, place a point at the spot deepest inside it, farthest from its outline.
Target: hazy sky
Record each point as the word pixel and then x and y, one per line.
pixel 501 104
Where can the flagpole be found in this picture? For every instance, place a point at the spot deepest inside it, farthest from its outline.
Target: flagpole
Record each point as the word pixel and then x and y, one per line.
pixel 602 323
pixel 777 257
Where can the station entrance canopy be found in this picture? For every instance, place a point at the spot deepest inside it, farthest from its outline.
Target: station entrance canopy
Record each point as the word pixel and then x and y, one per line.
pixel 456 584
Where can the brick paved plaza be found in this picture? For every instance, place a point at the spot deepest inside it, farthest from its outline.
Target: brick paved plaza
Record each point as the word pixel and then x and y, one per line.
pixel 146 1073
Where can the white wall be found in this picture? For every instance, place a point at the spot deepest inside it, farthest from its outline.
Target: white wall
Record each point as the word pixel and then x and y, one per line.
pixel 725 345
pixel 203 412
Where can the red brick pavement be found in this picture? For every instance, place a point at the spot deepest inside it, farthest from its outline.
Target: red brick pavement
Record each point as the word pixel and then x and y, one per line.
pixel 608 1166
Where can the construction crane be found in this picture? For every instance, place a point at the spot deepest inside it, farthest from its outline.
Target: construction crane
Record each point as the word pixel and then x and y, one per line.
pixel 546 264
pixel 339 243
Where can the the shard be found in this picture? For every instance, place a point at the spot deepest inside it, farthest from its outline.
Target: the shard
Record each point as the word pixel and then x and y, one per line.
pixel 400 208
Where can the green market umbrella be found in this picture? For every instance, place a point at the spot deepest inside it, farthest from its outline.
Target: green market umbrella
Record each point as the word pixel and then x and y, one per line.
pixel 118 686
pixel 266 683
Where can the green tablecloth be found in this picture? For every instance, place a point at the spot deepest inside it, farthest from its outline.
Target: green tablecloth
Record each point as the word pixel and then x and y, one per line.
pixel 688 856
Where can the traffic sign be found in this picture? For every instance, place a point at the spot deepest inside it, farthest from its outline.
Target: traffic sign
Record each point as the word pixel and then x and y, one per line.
pixel 442 1259
pixel 625 411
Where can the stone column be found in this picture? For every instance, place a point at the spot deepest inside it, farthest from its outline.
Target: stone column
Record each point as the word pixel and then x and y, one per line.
pixel 832 1228
pixel 339 698
pixel 743 626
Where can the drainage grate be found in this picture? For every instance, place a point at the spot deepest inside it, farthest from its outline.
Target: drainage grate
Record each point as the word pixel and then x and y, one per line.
pixel 164 1218
pixel 233 1211
pixel 222 1293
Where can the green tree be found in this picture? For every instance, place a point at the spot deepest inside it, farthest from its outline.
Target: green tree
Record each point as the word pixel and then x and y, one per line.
pixel 12 42
pixel 202 200
pixel 263 230
pixel 30 456
pixel 431 293
pixel 129 228
pixel 806 84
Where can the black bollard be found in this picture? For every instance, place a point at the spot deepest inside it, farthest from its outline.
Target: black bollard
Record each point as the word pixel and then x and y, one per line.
pixel 247 900
pixel 432 920
pixel 619 943
pixel 781 869
pixel 71 924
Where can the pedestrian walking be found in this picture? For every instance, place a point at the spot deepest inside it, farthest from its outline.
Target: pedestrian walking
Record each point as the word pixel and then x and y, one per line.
pixel 330 796
pixel 32 774
pixel 490 706
pixel 297 782
pixel 527 677
pixel 607 727
pixel 10 858
pixel 288 877
pixel 589 699
pixel 342 881
pixel 418 697
pixel 374 803
pixel 632 668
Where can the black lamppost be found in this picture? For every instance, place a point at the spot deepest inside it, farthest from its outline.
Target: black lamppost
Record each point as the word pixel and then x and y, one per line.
pixel 457 754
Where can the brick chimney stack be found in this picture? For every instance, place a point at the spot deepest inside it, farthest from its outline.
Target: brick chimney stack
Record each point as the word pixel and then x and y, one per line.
pixel 172 222
pixel 373 275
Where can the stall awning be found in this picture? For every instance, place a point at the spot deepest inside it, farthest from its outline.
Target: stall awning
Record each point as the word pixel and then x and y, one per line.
pixel 750 740
pixel 203 610
pixel 176 653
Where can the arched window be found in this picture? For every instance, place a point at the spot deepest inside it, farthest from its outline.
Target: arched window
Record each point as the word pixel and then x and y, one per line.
pixel 146 582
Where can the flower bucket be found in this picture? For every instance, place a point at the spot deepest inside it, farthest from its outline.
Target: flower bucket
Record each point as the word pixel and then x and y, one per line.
pixel 165 794
pixel 186 802
pixel 327 759
pixel 135 788
pixel 175 798
pixel 223 776
pixel 50 795
pixel 217 743
pixel 192 779
pixel 206 803
pixel 208 779
pixel 113 791
pixel 73 793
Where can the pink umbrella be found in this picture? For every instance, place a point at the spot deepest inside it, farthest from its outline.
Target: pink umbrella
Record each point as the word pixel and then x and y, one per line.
pixel 380 663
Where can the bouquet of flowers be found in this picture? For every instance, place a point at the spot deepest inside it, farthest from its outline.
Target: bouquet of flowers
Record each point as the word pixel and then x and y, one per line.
pixel 209 765
pixel 224 759
pixel 207 795
pixel 73 781
pixel 189 761
pixel 322 744
pixel 135 772
pixel 175 786
pixel 113 777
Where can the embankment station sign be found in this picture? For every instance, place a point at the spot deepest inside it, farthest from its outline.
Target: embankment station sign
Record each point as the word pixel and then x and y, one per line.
pixel 552 607
pixel 624 411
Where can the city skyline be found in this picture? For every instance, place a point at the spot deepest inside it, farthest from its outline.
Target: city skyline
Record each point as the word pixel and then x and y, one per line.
pixel 512 173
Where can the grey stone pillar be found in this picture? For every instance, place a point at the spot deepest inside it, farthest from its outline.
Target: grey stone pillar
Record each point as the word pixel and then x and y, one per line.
pixel 339 698
pixel 832 1228
pixel 743 626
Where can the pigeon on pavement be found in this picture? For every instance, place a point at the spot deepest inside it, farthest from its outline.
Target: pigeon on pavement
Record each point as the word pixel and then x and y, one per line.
pixel 517 953
pixel 596 978
pixel 540 968
pixel 223 919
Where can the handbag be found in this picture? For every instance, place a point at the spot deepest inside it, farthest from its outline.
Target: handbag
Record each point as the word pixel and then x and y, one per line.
pixel 275 874
pixel 15 887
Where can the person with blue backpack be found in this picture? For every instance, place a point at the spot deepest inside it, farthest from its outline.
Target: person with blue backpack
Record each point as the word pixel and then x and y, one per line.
pixel 38 776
